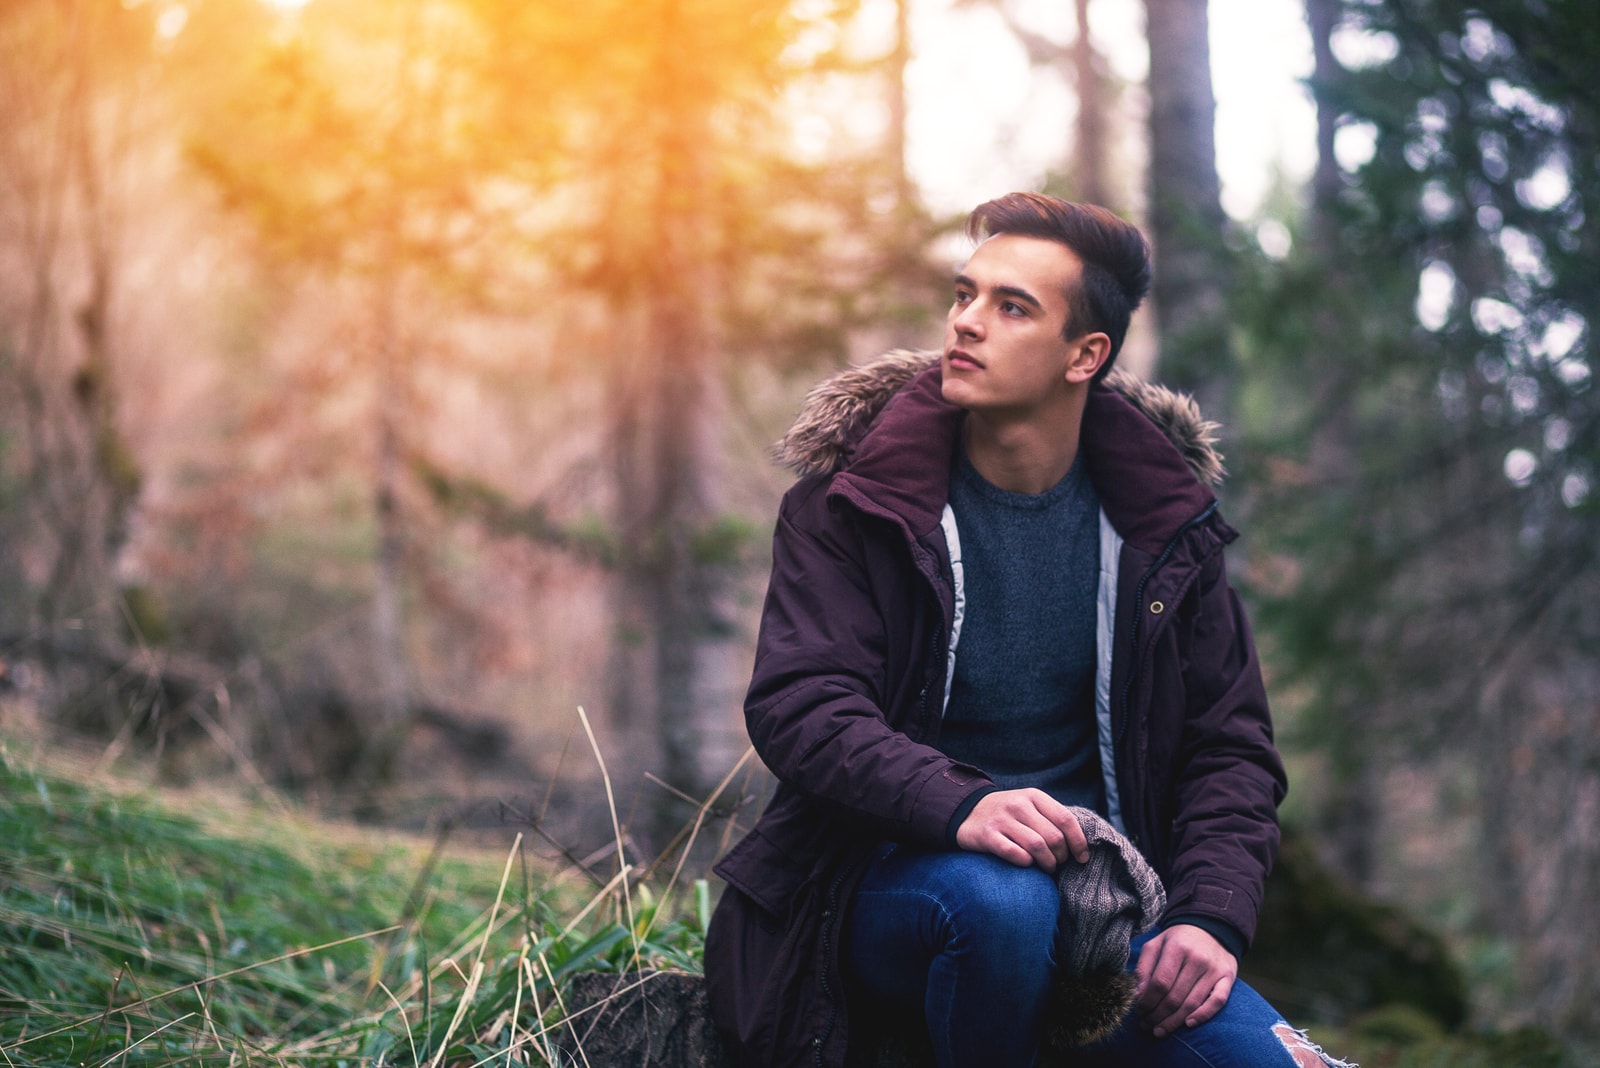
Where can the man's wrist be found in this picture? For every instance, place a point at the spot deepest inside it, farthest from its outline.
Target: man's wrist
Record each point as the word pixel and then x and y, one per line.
pixel 964 810
pixel 1228 936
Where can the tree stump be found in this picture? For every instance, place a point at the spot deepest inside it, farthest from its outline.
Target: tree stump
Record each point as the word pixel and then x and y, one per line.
pixel 654 1019
pixel 644 1019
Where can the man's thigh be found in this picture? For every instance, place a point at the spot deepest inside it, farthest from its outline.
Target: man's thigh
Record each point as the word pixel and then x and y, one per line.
pixel 915 907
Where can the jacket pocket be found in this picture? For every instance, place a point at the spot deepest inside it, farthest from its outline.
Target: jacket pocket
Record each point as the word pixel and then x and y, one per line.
pixel 766 874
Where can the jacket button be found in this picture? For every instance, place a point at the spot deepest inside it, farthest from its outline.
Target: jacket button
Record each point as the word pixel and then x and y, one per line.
pixel 1156 608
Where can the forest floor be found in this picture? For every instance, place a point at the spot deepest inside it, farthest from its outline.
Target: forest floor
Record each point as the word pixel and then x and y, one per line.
pixel 145 925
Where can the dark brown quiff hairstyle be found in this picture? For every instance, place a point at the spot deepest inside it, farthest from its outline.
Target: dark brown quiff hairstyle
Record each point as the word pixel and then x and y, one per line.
pixel 1115 255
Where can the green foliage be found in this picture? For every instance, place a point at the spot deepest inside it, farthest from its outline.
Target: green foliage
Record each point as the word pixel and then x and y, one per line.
pixel 727 540
pixel 1422 443
pixel 1477 434
pixel 467 497
pixel 146 618
pixel 135 935
pixel 117 914
pixel 1401 1038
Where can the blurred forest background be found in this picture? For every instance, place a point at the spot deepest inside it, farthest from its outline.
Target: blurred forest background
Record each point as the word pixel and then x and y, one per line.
pixel 380 380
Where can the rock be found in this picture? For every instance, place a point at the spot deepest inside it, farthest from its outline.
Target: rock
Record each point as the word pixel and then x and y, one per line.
pixel 1324 953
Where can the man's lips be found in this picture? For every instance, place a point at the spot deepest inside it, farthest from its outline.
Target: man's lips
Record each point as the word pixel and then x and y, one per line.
pixel 960 359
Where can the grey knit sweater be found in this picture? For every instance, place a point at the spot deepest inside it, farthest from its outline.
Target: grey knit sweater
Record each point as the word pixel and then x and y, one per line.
pixel 1022 699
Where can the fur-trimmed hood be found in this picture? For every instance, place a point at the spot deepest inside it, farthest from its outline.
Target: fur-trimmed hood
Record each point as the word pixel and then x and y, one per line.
pixel 839 410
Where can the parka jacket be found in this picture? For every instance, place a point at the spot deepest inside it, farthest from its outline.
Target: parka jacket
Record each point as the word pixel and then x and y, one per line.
pixel 854 658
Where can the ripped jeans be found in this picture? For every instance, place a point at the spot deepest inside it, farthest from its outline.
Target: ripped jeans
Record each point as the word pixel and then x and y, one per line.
pixel 967 940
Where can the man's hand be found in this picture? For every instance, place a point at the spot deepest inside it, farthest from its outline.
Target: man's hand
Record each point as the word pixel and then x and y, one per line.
pixel 1185 977
pixel 1024 827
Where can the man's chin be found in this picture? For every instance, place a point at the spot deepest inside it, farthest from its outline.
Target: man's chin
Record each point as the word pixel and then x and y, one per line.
pixel 957 392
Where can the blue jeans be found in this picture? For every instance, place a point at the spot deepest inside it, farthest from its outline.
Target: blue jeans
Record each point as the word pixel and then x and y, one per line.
pixel 968 941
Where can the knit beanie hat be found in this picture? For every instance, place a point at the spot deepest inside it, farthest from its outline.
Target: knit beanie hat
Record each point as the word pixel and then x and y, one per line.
pixel 1104 904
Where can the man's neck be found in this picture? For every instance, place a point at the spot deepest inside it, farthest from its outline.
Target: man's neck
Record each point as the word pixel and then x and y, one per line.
pixel 1024 455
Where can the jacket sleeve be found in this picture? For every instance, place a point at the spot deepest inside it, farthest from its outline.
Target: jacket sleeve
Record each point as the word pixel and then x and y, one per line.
pixel 816 706
pixel 1230 780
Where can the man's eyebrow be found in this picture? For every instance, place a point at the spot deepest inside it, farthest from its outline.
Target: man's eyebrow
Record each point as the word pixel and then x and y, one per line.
pixel 1015 292
pixel 1020 294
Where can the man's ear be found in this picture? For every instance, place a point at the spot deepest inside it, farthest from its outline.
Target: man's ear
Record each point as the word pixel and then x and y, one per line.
pixel 1088 353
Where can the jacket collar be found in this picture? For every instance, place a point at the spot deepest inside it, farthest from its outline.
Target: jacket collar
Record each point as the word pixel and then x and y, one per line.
pixel 888 435
pixel 1146 487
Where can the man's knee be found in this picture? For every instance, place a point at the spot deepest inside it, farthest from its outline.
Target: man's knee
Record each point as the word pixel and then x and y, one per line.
pixel 1004 905
pixel 1304 1052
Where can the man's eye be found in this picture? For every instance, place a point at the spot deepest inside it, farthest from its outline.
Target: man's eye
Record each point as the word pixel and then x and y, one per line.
pixel 962 296
pixel 1011 307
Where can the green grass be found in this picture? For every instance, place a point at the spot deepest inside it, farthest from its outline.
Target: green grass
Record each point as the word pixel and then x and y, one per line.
pixel 135 934
pixel 132 934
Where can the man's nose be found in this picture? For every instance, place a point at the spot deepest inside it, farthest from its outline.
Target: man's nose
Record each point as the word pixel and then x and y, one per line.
pixel 968 322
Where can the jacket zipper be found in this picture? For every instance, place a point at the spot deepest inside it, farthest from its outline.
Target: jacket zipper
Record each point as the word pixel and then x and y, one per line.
pixel 829 918
pixel 939 662
pixel 831 913
pixel 1138 612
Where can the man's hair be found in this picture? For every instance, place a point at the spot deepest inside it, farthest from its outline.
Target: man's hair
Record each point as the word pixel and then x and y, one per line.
pixel 1115 255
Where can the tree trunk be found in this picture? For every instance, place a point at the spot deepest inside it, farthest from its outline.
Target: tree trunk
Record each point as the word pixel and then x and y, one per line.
pixel 388 620
pixel 1351 820
pixel 1093 148
pixel 673 665
pixel 1321 17
pixel 899 59
pixel 675 628
pixel 82 480
pixel 1186 216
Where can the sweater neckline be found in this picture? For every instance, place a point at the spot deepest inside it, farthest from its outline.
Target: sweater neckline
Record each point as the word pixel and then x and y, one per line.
pixel 972 479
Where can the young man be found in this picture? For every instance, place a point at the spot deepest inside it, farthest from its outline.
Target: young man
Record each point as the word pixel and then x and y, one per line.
pixel 998 591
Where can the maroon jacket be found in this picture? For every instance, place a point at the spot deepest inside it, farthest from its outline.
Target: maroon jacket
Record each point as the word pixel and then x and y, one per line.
pixel 846 698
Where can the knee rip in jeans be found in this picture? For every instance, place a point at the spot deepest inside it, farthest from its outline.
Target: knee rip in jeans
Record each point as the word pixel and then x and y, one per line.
pixel 1306 1053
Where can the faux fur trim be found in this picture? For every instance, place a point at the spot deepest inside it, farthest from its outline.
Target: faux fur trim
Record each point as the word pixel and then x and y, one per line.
pixel 839 409
pixel 1084 1012
pixel 1179 418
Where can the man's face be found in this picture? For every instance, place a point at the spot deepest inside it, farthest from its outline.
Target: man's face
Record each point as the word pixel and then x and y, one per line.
pixel 1003 346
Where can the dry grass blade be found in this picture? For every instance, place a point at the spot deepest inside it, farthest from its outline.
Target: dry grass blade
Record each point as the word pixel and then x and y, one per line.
pixel 123 1053
pixel 561 1011
pixel 701 812
pixel 145 1002
pixel 476 978
pixel 465 1003
pixel 616 827
pixel 400 1011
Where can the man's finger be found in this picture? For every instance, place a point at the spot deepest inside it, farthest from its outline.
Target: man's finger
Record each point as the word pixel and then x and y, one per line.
pixel 1213 1004
pixel 1003 845
pixel 1061 817
pixel 1034 843
pixel 1183 998
pixel 1050 834
pixel 1077 841
pixel 1174 1006
pixel 1144 973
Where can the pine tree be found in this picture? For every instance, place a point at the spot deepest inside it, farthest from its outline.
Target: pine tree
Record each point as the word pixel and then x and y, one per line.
pixel 1425 435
